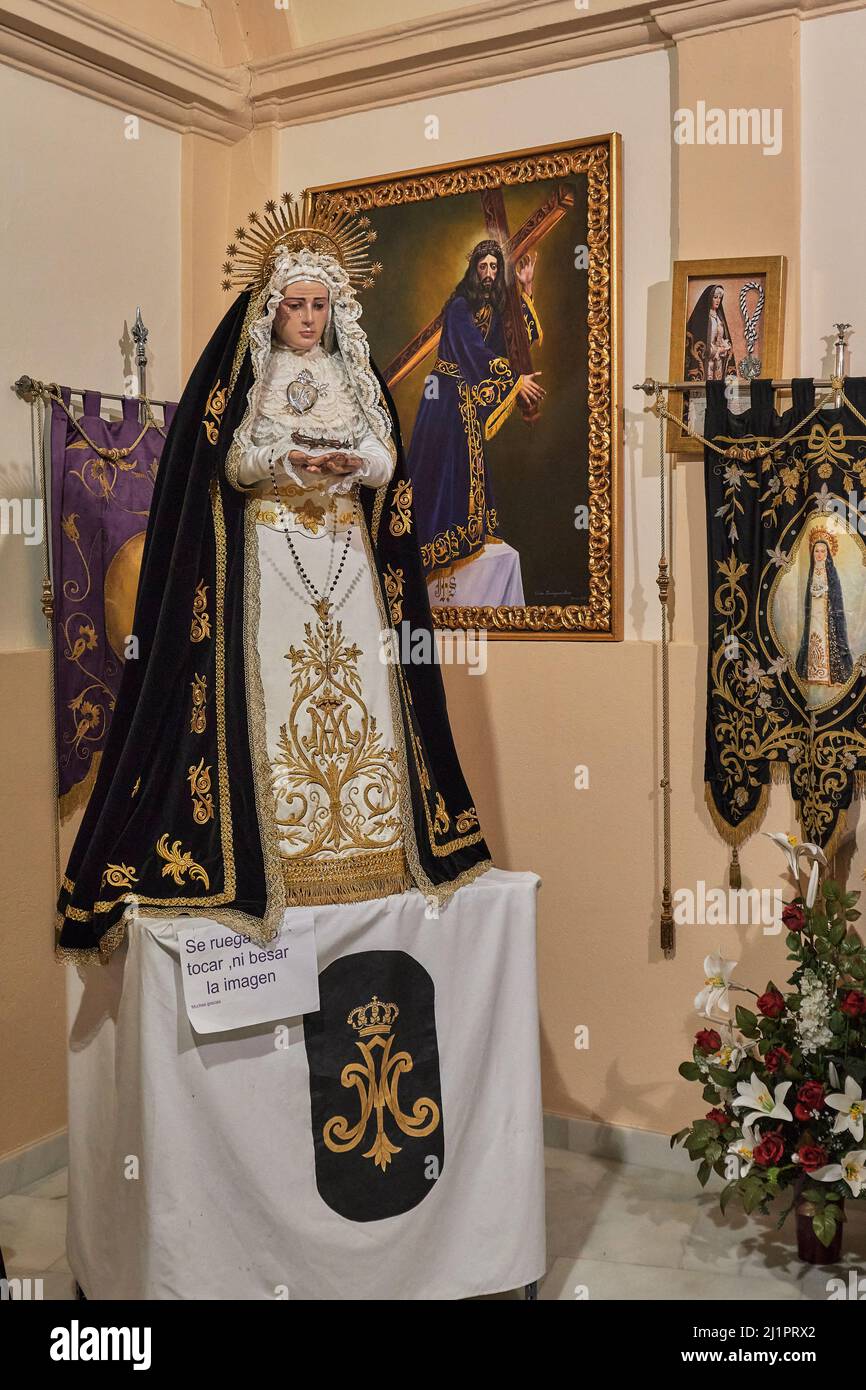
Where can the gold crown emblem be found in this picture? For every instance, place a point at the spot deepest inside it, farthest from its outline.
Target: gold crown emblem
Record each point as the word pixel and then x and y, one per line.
pixel 374 1017
pixel 820 533
pixel 296 223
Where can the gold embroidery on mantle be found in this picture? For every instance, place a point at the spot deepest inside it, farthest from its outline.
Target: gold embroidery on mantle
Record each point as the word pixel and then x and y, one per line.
pixel 200 787
pixel 401 515
pixel 394 589
pixel 134 791
pixel 200 625
pixel 179 863
pixel 377 1088
pixel 333 770
pixel 118 876
pixel 216 404
pixel 198 717
pixel 441 820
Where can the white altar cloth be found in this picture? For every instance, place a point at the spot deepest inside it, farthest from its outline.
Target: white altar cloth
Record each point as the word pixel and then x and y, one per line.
pixel 492 578
pixel 193 1168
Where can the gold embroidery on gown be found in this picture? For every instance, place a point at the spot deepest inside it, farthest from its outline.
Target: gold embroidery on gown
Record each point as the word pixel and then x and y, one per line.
pixel 330 735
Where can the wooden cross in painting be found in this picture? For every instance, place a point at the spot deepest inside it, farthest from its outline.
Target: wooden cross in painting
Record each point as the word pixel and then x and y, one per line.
pixel 514 247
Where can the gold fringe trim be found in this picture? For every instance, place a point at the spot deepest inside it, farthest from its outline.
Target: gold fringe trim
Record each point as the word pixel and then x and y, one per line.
pixel 243 922
pixel 496 419
pixel 78 796
pixel 464 559
pixel 357 878
pixel 779 773
pixel 835 839
pixel 738 835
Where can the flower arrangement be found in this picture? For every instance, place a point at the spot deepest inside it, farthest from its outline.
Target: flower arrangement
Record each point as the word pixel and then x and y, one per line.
pixel 784 1080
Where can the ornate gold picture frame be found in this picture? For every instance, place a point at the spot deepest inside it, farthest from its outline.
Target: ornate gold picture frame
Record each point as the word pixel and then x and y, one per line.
pixel 517 498
pixel 727 320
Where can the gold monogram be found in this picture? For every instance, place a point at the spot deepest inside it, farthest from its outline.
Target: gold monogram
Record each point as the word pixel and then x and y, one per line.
pixel 377 1088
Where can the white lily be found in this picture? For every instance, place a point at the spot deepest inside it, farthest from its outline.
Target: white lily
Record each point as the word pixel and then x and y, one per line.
pixel 797 851
pixel 788 845
pixel 717 980
pixel 851 1107
pixel 794 850
pixel 851 1170
pixel 744 1148
pixel 728 1057
pixel 764 1104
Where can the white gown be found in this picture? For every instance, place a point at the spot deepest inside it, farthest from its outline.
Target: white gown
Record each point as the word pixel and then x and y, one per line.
pixel 334 765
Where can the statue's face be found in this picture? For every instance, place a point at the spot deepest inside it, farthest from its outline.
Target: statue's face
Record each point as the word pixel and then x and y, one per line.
pixel 820 553
pixel 487 269
pixel 718 295
pixel 302 315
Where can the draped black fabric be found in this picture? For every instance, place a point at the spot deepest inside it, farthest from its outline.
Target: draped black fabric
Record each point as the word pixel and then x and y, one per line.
pixel 172 824
pixel 786 693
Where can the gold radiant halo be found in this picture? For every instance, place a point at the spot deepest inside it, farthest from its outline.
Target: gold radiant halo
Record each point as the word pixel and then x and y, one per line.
pixel 294 223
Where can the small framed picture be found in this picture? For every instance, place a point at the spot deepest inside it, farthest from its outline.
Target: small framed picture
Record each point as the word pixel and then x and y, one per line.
pixel 727 324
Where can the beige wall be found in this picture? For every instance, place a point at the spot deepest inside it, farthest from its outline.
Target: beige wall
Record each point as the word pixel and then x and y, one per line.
pixel 90 229
pixel 543 707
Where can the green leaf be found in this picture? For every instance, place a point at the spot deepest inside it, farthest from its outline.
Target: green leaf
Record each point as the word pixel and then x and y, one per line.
pixel 727 1193
pixel 711 1095
pixel 747 1022
pixel 824 1225
pixel 690 1071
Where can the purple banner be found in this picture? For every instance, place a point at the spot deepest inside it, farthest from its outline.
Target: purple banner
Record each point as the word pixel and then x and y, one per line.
pixel 100 500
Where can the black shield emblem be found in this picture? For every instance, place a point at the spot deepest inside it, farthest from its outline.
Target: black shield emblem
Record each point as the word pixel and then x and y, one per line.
pixel 375 1089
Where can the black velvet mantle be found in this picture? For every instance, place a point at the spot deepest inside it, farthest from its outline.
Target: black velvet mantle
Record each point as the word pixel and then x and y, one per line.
pixel 172 825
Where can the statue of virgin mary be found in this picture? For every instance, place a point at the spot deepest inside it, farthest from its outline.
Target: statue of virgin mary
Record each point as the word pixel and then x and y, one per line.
pixel 269 747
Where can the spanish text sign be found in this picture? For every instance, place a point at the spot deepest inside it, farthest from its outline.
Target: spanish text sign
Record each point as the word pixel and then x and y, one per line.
pixel 230 981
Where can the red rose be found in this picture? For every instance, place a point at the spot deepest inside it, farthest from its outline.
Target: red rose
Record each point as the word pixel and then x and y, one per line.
pixel 708 1040
pixel 777 1057
pixel 853 1003
pixel 802 1113
pixel 719 1116
pixel 771 1004
pixel 812 1156
pixel 811 1097
pixel 770 1150
pixel 793 916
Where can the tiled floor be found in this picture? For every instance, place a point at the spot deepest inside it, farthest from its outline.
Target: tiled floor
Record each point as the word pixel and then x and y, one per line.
pixel 615 1231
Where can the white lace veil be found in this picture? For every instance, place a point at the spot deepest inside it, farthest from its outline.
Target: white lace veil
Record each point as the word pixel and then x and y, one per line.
pixel 344 312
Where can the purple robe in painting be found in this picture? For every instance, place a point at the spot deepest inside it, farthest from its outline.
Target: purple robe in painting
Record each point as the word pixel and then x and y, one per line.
pixel 475 392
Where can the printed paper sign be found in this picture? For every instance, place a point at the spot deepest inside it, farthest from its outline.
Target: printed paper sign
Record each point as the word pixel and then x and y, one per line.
pixel 230 981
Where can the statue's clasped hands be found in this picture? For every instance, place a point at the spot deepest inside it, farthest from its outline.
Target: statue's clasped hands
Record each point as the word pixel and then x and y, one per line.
pixel 338 462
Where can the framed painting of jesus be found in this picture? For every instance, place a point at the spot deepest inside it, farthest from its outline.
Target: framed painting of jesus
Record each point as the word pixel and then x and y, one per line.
pixel 495 322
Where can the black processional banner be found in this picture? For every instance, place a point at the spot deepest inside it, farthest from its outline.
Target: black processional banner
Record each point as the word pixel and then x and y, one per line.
pixel 787 608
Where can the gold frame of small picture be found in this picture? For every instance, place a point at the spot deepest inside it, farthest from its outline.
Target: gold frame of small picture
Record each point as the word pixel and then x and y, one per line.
pixel 692 281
